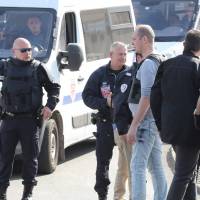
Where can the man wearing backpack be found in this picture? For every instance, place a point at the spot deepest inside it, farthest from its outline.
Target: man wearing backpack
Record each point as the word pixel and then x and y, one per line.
pixel 143 132
pixel 21 98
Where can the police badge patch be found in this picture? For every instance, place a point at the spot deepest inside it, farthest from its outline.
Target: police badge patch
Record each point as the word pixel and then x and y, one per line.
pixel 123 87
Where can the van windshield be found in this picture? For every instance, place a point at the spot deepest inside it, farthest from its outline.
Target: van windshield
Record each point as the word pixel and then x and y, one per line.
pixel 170 19
pixel 35 25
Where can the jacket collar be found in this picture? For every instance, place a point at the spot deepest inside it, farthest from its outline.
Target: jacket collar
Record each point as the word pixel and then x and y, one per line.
pixel 109 70
pixel 189 53
pixel 22 63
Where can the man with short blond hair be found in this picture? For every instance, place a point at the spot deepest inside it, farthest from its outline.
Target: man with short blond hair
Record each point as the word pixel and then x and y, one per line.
pixel 143 133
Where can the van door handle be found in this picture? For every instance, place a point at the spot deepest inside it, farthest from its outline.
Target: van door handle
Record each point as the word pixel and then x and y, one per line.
pixel 80 78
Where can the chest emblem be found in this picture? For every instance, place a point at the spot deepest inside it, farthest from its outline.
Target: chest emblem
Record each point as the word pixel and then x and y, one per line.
pixel 123 87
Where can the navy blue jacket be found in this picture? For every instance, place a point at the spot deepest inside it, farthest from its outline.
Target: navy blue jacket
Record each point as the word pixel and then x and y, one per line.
pixel 94 91
pixel 121 112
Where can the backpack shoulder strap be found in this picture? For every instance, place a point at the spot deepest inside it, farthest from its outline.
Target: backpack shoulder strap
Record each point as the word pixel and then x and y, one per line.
pixel 156 58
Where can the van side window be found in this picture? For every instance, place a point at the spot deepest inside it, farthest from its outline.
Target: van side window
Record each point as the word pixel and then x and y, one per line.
pixel 121 25
pixel 68 31
pixel 96 33
pixel 104 26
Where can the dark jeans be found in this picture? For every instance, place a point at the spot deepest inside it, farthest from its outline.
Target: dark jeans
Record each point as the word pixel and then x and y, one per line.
pixel 186 161
pixel 104 150
pixel 191 191
pixel 25 131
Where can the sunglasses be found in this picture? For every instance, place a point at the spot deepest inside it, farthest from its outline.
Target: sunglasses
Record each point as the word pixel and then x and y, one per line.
pixel 24 50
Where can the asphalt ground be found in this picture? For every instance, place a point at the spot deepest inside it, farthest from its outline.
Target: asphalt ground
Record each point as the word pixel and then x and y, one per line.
pixel 74 179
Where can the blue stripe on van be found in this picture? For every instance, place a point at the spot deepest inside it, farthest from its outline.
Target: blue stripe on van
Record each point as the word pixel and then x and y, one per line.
pixel 67 99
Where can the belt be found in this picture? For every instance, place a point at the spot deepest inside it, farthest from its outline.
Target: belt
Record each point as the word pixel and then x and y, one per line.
pixel 17 115
pixel 104 120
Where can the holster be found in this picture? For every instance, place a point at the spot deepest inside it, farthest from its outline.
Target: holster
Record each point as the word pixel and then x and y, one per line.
pixel 1 113
pixel 98 117
pixel 39 117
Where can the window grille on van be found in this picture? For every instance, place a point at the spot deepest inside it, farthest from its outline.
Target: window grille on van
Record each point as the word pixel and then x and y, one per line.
pixel 101 27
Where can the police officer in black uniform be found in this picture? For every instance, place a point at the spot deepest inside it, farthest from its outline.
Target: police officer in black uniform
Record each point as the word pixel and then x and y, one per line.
pixel 22 81
pixel 97 94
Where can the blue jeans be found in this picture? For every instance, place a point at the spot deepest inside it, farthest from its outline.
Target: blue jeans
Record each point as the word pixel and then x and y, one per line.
pixel 147 153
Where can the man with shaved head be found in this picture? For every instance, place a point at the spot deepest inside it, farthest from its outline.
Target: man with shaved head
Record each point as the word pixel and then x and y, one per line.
pixel 19 44
pixel 22 80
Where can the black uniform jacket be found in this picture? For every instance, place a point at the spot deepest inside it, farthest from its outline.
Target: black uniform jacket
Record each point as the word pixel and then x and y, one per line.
pixel 121 112
pixel 92 93
pixel 173 99
pixel 52 89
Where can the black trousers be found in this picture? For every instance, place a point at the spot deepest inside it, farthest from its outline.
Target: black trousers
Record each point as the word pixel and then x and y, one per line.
pixel 186 161
pixel 104 151
pixel 25 131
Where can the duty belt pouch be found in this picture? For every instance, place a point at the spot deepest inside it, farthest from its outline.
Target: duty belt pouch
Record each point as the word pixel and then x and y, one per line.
pixel 1 113
pixel 197 122
pixel 39 117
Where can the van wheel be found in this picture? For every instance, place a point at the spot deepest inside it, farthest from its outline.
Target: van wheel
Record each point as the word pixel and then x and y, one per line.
pixel 48 158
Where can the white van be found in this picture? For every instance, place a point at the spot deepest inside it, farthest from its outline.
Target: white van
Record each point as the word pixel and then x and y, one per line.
pixel 170 19
pixel 78 35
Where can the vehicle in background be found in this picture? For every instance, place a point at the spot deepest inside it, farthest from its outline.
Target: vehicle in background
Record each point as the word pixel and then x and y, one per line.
pixel 77 39
pixel 170 19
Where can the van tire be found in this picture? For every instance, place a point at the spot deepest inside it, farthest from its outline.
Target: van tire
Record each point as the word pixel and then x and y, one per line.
pixel 48 158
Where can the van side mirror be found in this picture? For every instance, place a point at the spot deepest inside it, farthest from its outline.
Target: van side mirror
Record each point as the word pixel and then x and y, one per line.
pixel 71 58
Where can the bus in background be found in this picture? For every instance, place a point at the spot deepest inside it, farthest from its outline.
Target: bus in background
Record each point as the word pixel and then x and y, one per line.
pixel 170 19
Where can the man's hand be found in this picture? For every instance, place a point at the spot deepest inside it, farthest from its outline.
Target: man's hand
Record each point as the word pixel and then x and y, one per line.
pixel 131 136
pixel 124 137
pixel 46 113
pixel 197 109
pixel 109 99
pixel 196 112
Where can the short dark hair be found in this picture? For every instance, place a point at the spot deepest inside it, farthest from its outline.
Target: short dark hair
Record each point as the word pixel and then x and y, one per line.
pixel 192 40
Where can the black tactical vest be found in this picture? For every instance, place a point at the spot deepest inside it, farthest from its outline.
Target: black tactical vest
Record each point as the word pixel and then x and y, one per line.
pixel 21 92
pixel 135 91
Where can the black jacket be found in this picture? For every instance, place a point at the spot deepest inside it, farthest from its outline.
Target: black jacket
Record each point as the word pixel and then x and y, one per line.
pixel 52 89
pixel 121 112
pixel 173 99
pixel 94 89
